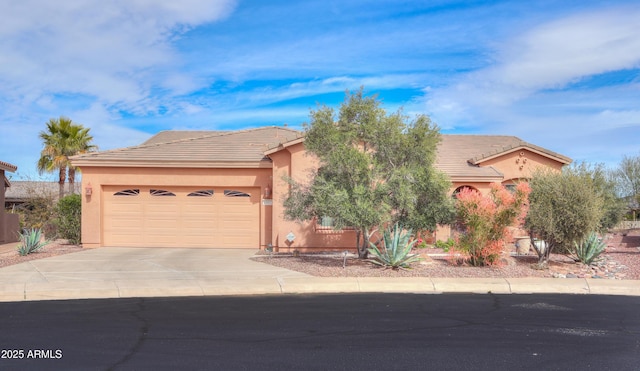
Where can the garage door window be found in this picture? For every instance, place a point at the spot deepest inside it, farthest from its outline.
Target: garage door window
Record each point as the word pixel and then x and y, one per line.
pixel 161 192
pixel 232 193
pixel 201 193
pixel 127 192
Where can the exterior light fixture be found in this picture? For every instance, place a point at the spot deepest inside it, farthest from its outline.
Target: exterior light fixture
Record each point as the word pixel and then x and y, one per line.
pixel 267 192
pixel 88 190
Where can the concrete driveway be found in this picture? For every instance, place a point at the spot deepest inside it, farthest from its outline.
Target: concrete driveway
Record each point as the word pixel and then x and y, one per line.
pixel 117 272
pixel 133 272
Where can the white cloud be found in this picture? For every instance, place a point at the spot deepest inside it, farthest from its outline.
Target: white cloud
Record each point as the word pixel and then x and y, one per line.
pixel 549 56
pixel 563 51
pixel 115 51
pixel 528 91
pixel 90 60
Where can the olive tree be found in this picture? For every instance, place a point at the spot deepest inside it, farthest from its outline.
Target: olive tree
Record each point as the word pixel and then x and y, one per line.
pixel 564 207
pixel 375 168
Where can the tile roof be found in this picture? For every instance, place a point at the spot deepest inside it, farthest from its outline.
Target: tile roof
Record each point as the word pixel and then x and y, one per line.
pixel 21 190
pixel 195 148
pixel 173 135
pixel 7 166
pixel 461 155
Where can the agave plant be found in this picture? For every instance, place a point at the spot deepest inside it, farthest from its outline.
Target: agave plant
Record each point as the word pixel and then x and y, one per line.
pixel 589 250
pixel 395 253
pixel 31 240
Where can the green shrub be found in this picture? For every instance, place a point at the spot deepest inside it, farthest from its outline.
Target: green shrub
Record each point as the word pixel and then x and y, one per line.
pixel 37 212
pixel 445 245
pixel 588 250
pixel 395 253
pixel 30 241
pixel 68 213
pixel 420 244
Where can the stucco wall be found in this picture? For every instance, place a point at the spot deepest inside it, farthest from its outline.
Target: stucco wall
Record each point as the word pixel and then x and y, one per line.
pixel 521 164
pixel 2 212
pixel 295 163
pixel 9 223
pixel 101 176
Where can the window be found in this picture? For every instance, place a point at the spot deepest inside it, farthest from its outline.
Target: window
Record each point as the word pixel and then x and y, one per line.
pixel 127 192
pixel 201 193
pixel 232 193
pixel 325 222
pixel 459 189
pixel 161 192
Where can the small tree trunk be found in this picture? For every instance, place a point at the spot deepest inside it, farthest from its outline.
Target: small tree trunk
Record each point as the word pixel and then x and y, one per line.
pixel 72 181
pixel 363 249
pixel 61 179
pixel 543 258
pixel 365 244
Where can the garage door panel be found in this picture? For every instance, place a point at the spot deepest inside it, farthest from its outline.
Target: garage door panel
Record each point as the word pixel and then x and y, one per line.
pixel 181 217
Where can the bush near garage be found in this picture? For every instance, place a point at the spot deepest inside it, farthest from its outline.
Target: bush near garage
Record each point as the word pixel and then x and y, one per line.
pixel 68 216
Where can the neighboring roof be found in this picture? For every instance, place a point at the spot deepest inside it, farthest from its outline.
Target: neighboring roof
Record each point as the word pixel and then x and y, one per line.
pixel 460 155
pixel 22 190
pixel 244 148
pixel 7 166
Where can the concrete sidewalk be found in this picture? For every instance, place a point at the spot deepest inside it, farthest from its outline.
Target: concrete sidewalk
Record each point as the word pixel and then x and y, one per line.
pixel 142 272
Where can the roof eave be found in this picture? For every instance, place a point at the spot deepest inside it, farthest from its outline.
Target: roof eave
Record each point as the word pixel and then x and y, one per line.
pixel 264 164
pixel 284 145
pixel 476 179
pixel 8 167
pixel 480 159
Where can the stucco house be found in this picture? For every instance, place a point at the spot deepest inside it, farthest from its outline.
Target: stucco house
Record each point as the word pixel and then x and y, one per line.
pixel 225 188
pixel 9 223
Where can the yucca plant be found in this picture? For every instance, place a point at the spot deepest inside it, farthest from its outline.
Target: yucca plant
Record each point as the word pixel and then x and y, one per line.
pixel 31 241
pixel 396 252
pixel 588 251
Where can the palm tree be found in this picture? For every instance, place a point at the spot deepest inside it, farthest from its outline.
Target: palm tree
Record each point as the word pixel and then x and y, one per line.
pixel 61 140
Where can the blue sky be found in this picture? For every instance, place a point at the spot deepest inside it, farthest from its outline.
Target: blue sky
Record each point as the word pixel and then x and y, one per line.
pixel 564 75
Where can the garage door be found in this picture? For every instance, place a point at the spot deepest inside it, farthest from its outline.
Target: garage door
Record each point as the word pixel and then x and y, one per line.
pixel 181 217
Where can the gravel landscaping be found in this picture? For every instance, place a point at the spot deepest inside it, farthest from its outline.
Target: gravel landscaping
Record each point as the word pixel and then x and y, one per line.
pixel 620 261
pixel 55 248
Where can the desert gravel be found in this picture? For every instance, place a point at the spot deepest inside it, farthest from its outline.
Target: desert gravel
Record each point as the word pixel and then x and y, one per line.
pixel 620 261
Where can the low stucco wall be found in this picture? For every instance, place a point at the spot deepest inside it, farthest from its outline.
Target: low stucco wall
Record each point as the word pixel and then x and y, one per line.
pixel 10 226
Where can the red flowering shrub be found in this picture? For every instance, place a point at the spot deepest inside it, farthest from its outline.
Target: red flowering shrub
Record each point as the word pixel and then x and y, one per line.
pixel 486 220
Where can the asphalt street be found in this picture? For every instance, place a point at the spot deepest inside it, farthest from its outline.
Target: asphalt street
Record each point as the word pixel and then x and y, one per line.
pixel 324 332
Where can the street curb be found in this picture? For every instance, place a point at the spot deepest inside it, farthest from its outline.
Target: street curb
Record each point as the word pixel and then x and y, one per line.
pixel 312 285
